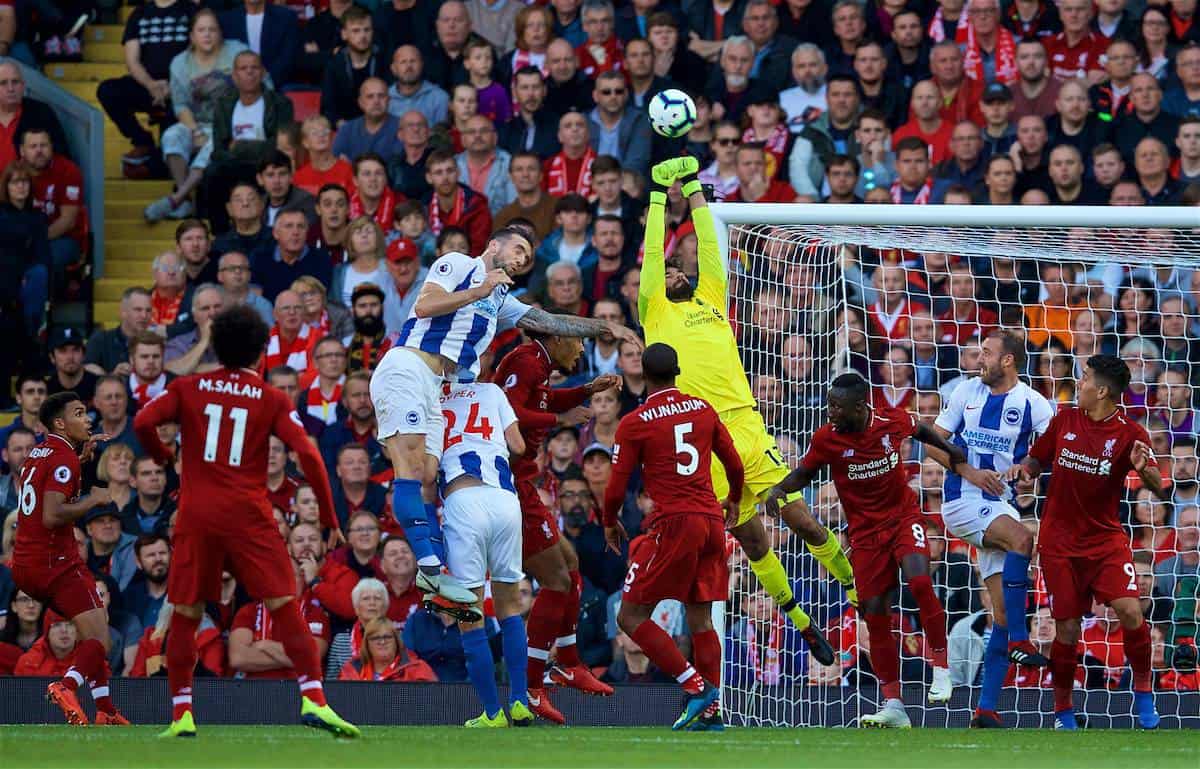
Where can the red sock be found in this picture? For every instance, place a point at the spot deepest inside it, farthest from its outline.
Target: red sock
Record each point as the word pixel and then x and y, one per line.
pixel 1137 651
pixel 933 617
pixel 706 650
pixel 88 666
pixel 545 619
pixel 885 655
pixel 1063 661
pixel 181 662
pixel 568 653
pixel 662 652
pixel 100 695
pixel 301 650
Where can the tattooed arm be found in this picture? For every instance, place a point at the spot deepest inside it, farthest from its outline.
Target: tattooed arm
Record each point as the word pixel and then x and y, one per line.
pixel 537 319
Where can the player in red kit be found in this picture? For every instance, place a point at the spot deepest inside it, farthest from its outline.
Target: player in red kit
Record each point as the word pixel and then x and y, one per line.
pixel 887 530
pixel 45 559
pixel 525 376
pixel 672 438
pixel 225 419
pixel 1088 451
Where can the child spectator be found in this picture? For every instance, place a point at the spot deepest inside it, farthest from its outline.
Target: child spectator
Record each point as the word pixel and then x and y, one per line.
pixel 494 101
pixel 322 166
pixel 410 221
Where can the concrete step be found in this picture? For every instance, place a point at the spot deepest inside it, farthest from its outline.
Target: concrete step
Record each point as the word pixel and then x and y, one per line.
pixel 130 191
pixel 107 314
pixel 139 229
pixel 110 289
pixel 114 268
pixel 77 72
pixel 138 251
pixel 104 53
pixel 85 90
pixel 123 209
pixel 103 33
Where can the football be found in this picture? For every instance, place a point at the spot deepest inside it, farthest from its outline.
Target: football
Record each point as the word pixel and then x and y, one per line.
pixel 672 113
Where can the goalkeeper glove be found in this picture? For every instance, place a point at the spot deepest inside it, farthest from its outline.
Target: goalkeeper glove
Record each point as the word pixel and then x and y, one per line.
pixel 666 172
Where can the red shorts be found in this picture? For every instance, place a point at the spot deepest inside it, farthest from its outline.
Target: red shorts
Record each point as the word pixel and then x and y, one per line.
pixel 539 526
pixel 682 557
pixel 1074 581
pixel 254 554
pixel 69 589
pixel 876 558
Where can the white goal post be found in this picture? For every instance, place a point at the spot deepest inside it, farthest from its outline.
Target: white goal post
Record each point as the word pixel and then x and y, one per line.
pixel 804 283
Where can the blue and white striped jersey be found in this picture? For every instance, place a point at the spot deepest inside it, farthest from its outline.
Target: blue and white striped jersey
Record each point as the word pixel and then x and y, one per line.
pixel 462 335
pixel 995 431
pixel 477 414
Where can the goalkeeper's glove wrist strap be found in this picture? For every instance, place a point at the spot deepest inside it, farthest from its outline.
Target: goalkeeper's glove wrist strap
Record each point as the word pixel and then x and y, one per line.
pixel 691 185
pixel 659 196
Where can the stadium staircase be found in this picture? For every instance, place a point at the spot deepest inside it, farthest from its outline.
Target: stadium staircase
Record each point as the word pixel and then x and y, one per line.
pixel 131 243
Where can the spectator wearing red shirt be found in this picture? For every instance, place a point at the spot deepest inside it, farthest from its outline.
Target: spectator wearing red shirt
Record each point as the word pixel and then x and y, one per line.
pixel 19 114
pixel 753 184
pixel 895 379
pixel 322 166
pixel 965 318
pixel 58 193
pixel 891 315
pixel 400 572
pixel 1103 649
pixel 382 657
pixel 1077 50
pixel 331 582
pixel 370 194
pixel 254 647
pixel 281 489
pixel 53 654
pixel 602 51
pixel 926 123
pixel 570 169
pixel 151 659
pixel 353 491
pixel 453 204
pixel 960 95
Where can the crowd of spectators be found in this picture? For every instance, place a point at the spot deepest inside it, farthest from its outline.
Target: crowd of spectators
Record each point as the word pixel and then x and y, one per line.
pixel 438 122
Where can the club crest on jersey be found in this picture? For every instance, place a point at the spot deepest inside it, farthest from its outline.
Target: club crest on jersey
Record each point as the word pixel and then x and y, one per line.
pixel 1109 445
pixel 1012 416
pixel 62 474
pixel 412 418
pixel 510 382
pixel 1069 437
pixel 887 443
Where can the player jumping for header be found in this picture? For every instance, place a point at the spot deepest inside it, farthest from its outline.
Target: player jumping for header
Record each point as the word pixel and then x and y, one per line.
pixel 46 562
pixel 684 304
pixel 887 532
pixel 1088 451
pixel 463 302
pixel 226 418
pixel 672 438
pixel 994 418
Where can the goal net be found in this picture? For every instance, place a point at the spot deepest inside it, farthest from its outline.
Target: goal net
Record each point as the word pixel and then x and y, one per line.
pixel 904 299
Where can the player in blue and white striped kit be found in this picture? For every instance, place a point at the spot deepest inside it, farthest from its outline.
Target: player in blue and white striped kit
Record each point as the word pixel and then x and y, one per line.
pixel 483 536
pixel 462 304
pixel 994 417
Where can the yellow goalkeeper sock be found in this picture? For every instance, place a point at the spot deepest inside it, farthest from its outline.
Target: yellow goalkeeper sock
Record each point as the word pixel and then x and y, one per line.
pixel 774 580
pixel 833 559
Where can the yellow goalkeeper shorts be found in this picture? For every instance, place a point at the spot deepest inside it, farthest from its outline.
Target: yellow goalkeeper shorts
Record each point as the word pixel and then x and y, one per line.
pixel 764 465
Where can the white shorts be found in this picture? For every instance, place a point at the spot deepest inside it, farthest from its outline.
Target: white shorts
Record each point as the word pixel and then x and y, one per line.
pixel 406 392
pixel 969 519
pixel 482 529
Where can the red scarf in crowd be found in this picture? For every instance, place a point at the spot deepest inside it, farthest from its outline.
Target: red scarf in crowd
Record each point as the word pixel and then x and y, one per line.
pixel 596 59
pixel 776 146
pixel 766 666
pixel 922 197
pixel 294 353
pixel 144 392
pixel 557 183
pixel 437 220
pixel 964 35
pixel 384 213
pixel 321 327
pixel 164 311
pixel 320 408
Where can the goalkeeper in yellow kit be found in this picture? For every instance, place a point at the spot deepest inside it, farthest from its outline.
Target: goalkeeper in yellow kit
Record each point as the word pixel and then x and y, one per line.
pixel 684 306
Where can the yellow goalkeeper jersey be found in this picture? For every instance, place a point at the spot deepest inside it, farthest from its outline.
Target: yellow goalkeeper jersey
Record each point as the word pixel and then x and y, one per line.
pixel 709 364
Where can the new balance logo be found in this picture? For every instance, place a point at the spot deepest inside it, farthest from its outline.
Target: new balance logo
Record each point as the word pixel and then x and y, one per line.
pixel 1069 437
pixel 847 453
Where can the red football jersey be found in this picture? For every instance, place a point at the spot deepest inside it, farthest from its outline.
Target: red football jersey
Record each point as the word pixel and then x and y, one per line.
pixel 1068 62
pixel 1088 462
pixel 525 376
pixel 225 419
pixel 52 466
pixel 255 618
pixel 61 184
pixel 869 477
pixel 672 436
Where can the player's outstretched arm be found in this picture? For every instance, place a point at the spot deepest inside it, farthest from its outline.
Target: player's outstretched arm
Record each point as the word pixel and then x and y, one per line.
pixel 654 267
pixel 537 319
pixel 435 301
pixel 935 438
pixel 988 480
pixel 1028 469
pixel 57 511
pixel 160 410
pixel 777 495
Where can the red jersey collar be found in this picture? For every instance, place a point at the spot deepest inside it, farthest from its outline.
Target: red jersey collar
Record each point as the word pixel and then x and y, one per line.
pixel 543 352
pixel 662 392
pixel 70 445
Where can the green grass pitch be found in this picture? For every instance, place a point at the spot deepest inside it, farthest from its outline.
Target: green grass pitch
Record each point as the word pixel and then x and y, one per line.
pixel 580 748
